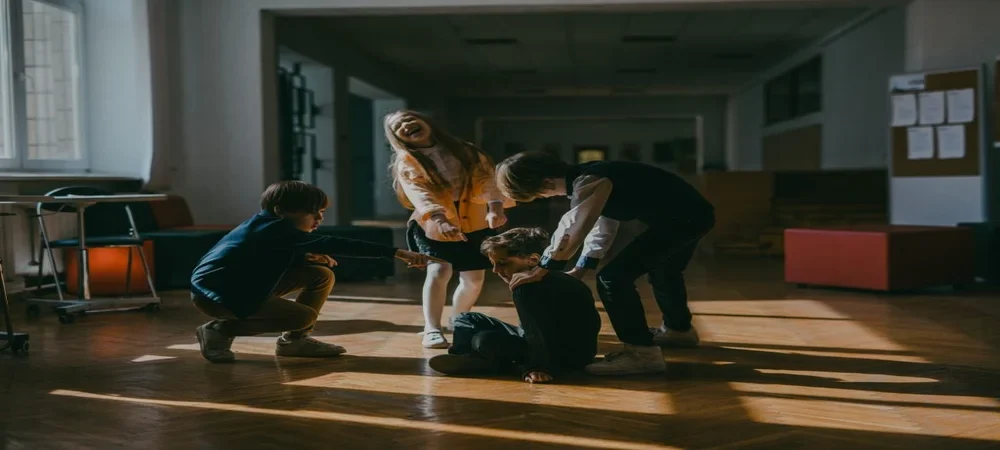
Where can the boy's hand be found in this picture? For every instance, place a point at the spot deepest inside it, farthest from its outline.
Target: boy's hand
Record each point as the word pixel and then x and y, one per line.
pixel 537 377
pixel 449 230
pixel 323 260
pixel 530 276
pixel 416 260
pixel 496 217
pixel 578 272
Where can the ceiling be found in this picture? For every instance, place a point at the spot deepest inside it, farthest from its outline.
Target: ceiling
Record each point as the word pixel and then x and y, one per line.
pixel 512 54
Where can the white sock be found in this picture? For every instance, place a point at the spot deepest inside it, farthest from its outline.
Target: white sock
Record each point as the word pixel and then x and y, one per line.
pixel 469 286
pixel 434 294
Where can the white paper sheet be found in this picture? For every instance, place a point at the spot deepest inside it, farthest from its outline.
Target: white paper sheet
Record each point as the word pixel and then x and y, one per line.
pixel 951 141
pixel 961 106
pixel 932 108
pixel 920 142
pixel 907 83
pixel 904 110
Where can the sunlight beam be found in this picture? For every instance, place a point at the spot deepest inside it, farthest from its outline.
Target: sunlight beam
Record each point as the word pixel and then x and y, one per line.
pixel 387 422
pixel 599 398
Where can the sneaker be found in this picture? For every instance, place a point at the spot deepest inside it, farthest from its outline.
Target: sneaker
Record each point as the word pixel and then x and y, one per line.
pixel 632 361
pixel 434 339
pixel 307 347
pixel 214 345
pixel 665 337
pixel 460 364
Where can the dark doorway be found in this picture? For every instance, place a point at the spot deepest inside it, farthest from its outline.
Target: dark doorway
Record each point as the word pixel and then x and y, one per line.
pixel 362 132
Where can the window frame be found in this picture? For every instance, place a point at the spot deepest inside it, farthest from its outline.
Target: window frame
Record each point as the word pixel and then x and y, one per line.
pixel 19 124
pixel 792 104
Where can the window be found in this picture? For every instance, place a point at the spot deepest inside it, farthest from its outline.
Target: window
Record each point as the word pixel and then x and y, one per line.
pixel 40 85
pixel 795 93
pixel 590 154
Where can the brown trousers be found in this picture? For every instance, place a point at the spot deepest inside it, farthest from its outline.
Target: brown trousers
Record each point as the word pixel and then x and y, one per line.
pixel 313 283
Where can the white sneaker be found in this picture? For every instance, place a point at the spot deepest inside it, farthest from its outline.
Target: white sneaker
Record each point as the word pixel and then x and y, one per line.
pixel 665 337
pixel 214 345
pixel 434 339
pixel 631 361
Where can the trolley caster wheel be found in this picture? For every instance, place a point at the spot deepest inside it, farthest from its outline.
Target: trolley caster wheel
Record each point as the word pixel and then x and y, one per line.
pixel 67 319
pixel 152 307
pixel 22 349
pixel 33 311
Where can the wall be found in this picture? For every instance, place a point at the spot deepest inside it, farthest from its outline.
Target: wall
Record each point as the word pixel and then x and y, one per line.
pixel 226 140
pixel 567 134
pixel 386 204
pixel 464 113
pixel 118 87
pixel 969 37
pixel 854 115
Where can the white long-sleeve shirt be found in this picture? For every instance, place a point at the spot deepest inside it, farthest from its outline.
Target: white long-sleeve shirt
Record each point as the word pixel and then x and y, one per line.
pixel 583 225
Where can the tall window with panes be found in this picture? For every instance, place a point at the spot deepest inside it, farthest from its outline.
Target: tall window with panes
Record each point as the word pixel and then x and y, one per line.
pixel 40 85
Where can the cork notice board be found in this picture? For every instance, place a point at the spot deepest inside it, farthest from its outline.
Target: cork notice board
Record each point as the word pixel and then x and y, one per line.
pixel 936 161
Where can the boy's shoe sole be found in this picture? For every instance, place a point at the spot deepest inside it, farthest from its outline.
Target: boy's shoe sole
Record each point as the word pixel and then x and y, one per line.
pixel 200 332
pixel 460 364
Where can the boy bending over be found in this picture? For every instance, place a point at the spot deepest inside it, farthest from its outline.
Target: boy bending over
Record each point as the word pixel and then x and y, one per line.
pixel 603 195
pixel 241 281
pixel 559 323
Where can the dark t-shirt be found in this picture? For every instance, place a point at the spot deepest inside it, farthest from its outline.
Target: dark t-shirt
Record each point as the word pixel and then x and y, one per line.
pixel 560 323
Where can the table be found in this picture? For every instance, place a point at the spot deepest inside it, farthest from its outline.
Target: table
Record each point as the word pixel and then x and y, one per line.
pixel 68 308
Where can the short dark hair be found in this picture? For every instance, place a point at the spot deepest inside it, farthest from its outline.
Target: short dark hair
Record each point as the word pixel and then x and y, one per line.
pixel 520 242
pixel 293 197
pixel 522 176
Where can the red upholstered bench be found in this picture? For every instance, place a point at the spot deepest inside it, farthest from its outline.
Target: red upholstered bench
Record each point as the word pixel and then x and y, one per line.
pixel 880 257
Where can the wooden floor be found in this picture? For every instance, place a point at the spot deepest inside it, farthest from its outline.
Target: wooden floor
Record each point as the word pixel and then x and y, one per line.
pixel 780 368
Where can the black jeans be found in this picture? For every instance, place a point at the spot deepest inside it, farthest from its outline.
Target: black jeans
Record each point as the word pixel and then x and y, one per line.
pixel 494 340
pixel 663 253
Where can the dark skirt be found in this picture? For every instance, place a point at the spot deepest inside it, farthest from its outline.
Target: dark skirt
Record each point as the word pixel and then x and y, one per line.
pixel 463 255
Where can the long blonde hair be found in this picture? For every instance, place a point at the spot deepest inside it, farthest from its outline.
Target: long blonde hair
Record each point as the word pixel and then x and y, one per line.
pixel 468 155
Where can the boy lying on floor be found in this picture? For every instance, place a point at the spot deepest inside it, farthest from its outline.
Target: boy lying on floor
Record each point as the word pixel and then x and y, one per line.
pixel 559 323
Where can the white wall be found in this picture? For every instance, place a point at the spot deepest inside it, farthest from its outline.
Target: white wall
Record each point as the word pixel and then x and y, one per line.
pixel 464 113
pixel 118 89
pixel 854 114
pixel 969 36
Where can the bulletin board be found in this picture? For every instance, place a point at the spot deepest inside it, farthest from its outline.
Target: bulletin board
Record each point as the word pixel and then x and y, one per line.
pixel 936 121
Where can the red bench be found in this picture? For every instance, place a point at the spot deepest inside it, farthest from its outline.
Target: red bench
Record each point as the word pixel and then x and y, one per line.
pixel 880 257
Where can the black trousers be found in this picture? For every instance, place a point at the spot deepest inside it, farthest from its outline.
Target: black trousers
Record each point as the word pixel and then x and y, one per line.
pixel 504 344
pixel 493 339
pixel 663 253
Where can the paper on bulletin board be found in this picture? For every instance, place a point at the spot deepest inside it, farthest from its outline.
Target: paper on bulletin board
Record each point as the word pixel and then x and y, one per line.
pixel 932 108
pixel 951 141
pixel 961 106
pixel 907 83
pixel 920 142
pixel 904 110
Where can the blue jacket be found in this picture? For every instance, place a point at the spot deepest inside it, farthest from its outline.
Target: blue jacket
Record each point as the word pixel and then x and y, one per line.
pixel 243 268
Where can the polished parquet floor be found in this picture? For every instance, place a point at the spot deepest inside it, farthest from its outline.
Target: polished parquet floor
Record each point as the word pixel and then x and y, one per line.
pixel 780 368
